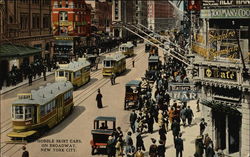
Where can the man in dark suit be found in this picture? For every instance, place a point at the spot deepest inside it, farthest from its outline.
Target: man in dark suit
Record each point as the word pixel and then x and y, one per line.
pixel 179 145
pixel 132 119
pixel 175 128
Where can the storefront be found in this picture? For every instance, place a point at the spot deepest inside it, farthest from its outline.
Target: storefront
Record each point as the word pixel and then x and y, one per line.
pixel 225 100
pixel 15 55
pixel 226 123
pixel 65 46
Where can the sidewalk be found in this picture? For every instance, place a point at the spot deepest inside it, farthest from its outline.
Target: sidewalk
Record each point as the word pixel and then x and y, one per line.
pixel 25 82
pixel 189 135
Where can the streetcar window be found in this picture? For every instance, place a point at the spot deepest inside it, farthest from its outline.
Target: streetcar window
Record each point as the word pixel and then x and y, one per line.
pixel 28 113
pixel 49 107
pixel 77 74
pixel 66 74
pixel 107 63
pixel 18 112
pixel 53 105
pixel 61 73
pixel 19 109
pixel 45 109
pixel 42 110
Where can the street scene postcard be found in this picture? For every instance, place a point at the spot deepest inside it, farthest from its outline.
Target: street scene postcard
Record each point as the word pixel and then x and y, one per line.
pixel 125 78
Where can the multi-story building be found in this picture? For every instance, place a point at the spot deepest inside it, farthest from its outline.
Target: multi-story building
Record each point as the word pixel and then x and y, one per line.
pixel 161 15
pixel 122 11
pixel 141 15
pixel 24 24
pixel 101 14
pixel 1 16
pixel 71 21
pixel 221 43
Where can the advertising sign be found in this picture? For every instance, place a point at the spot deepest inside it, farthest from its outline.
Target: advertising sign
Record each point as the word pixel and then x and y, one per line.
pixel 220 74
pixel 227 13
pixel 183 91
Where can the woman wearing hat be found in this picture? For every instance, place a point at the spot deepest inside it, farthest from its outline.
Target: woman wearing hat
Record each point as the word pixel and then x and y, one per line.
pixel 153 148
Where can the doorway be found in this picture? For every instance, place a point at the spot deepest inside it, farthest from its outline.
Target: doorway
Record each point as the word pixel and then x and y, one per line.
pixel 234 125
pixel 220 129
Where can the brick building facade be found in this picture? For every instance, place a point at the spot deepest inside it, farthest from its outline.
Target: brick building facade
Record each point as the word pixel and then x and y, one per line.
pixel 71 21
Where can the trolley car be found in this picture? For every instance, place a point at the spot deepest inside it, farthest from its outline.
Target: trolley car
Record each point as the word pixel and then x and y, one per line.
pixel 35 112
pixel 77 72
pixel 115 63
pixel 127 49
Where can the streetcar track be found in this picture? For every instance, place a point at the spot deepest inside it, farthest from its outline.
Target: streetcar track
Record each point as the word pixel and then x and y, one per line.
pixel 89 88
pixel 105 82
pixel 11 146
pixel 92 89
pixel 93 74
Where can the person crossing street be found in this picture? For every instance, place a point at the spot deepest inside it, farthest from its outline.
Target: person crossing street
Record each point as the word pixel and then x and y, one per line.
pixel 99 99
pixel 112 79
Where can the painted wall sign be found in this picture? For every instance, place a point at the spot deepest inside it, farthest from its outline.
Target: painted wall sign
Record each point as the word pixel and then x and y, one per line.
pixel 229 13
pixel 221 74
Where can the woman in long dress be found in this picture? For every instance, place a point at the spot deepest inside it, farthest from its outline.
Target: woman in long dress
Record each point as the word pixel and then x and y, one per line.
pixel 99 99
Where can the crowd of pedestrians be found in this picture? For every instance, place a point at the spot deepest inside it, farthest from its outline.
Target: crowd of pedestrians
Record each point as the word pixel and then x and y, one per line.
pixel 27 71
pixel 154 109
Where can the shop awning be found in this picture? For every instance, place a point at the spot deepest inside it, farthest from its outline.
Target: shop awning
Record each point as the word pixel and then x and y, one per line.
pixel 11 50
pixel 222 106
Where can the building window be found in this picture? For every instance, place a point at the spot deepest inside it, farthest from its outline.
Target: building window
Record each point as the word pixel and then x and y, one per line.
pixel 47 2
pixel 46 21
pixel 11 19
pixel 55 4
pixel 35 1
pixel 35 21
pixel 60 3
pixel 24 21
pixel 66 3
pixel 24 1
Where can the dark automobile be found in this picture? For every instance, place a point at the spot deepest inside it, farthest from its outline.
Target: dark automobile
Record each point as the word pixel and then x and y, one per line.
pixel 132 93
pixel 103 128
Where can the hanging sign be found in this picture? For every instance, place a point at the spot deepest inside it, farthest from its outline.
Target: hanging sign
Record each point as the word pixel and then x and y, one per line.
pixel 183 91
